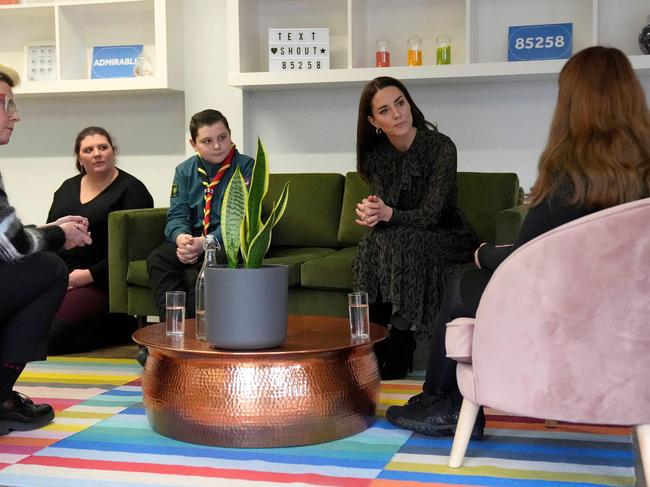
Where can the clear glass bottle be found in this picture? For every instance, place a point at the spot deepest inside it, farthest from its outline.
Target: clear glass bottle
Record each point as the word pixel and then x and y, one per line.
pixel 414 53
pixel 382 54
pixel 210 247
pixel 443 53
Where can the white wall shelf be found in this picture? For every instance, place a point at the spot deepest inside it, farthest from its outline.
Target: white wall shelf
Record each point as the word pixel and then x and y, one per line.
pixel 478 29
pixel 76 26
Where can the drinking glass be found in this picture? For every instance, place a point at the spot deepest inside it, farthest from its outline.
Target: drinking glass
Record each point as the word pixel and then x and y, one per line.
pixel 359 315
pixel 175 313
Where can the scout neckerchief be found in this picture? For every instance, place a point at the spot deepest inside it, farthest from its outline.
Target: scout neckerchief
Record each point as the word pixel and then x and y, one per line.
pixel 209 186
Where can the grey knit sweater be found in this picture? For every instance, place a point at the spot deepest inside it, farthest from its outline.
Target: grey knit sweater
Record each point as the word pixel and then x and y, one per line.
pixel 16 240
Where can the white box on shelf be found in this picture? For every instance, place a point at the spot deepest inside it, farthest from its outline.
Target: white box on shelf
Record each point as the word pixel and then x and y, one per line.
pixel 40 61
pixel 299 49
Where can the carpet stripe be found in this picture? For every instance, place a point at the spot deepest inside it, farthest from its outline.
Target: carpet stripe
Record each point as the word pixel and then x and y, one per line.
pixel 29 476
pixel 207 472
pixel 405 458
pixel 136 461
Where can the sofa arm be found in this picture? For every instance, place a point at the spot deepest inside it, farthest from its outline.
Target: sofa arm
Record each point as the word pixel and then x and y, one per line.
pixel 132 235
pixel 508 223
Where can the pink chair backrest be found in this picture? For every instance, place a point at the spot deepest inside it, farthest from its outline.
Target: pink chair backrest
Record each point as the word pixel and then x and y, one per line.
pixel 563 328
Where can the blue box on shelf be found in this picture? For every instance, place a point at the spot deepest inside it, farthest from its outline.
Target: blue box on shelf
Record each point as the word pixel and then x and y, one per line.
pixel 115 61
pixel 537 42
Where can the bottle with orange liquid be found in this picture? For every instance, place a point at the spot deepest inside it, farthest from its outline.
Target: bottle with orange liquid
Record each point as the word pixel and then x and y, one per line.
pixel 414 53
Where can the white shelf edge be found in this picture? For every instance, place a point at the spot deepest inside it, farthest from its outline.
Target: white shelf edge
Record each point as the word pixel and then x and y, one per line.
pixel 89 86
pixel 454 73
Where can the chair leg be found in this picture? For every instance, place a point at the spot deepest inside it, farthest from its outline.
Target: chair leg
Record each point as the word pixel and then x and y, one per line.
pixel 466 419
pixel 643 436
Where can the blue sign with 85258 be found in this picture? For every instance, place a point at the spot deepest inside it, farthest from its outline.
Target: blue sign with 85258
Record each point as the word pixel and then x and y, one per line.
pixel 535 42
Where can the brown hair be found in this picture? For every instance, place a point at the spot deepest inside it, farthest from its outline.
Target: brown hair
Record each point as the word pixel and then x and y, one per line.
pixel 367 137
pixel 599 141
pixel 206 117
pixel 85 133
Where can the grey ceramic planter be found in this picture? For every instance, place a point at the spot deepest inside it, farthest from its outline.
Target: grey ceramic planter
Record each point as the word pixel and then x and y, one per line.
pixel 246 309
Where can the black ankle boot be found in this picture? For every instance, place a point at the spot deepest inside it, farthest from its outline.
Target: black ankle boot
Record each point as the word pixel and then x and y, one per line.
pixel 432 415
pixel 19 413
pixel 399 359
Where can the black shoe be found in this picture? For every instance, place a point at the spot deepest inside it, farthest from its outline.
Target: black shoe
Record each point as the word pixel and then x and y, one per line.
pixel 399 357
pixel 19 413
pixel 432 415
pixel 142 355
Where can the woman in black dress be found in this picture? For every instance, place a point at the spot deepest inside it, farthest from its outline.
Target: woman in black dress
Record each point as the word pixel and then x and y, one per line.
pixel 597 156
pixel 417 235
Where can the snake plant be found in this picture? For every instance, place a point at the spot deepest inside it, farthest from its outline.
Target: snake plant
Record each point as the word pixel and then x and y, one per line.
pixel 242 228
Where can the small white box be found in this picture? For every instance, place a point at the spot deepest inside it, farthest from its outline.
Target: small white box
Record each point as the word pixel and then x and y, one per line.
pixel 40 61
pixel 299 49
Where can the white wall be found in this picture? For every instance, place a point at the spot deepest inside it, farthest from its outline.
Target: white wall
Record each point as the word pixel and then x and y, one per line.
pixel 496 126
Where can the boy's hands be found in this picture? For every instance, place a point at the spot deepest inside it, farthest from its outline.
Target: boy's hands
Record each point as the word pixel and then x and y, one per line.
pixel 189 248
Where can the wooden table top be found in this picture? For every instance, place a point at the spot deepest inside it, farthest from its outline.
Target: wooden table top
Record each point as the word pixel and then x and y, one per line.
pixel 306 334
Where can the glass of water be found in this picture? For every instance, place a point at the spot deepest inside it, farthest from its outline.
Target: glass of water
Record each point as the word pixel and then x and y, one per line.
pixel 175 313
pixel 359 315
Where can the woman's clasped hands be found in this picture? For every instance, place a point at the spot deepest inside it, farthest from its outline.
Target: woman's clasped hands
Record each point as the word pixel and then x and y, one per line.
pixel 75 229
pixel 372 210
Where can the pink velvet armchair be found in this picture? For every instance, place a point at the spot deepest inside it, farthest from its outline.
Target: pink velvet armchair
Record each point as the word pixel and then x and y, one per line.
pixel 563 329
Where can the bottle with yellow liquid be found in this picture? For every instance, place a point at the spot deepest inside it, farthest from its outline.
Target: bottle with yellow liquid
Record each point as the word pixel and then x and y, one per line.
pixel 443 52
pixel 414 53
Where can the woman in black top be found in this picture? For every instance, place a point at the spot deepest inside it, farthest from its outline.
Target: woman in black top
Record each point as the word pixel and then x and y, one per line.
pixel 417 235
pixel 83 322
pixel 597 156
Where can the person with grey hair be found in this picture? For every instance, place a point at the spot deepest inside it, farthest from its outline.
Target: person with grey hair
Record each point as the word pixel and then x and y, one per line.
pixel 32 287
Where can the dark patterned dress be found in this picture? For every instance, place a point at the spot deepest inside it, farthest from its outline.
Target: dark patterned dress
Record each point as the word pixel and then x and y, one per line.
pixel 409 258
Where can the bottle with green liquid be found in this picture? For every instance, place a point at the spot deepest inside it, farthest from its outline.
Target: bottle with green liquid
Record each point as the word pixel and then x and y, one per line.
pixel 443 52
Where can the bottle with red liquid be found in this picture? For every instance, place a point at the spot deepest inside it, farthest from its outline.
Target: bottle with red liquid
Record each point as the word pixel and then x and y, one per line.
pixel 382 55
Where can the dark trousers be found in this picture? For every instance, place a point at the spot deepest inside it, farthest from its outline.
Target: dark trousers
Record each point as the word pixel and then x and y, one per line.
pixel 84 323
pixel 461 299
pixel 167 273
pixel 31 291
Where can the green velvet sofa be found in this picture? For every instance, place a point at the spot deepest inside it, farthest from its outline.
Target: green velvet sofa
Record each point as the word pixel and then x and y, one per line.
pixel 316 238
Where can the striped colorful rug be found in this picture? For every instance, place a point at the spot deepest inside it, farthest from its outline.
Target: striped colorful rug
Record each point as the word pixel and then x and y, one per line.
pixel 101 438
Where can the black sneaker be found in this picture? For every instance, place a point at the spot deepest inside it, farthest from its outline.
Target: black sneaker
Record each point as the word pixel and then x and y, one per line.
pixel 415 399
pixel 19 413
pixel 432 415
pixel 141 355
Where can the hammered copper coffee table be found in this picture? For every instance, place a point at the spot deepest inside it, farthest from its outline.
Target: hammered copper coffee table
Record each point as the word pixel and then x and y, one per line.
pixel 319 386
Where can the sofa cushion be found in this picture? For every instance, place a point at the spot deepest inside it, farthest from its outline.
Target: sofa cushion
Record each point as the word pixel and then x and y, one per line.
pixel 137 273
pixel 482 195
pixel 294 257
pixel 355 190
pixel 312 215
pixel 331 272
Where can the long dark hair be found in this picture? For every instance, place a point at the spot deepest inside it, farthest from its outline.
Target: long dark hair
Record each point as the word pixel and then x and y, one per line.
pixel 599 140
pixel 367 137
pixel 92 130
